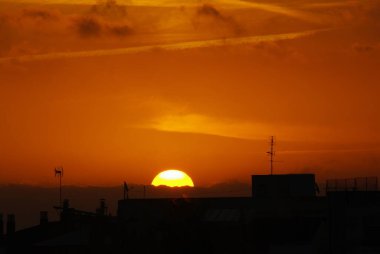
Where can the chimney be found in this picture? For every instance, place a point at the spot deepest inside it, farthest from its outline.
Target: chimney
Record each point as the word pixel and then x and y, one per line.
pixel 66 204
pixel 43 217
pixel 1 226
pixel 66 211
pixel 102 210
pixel 11 224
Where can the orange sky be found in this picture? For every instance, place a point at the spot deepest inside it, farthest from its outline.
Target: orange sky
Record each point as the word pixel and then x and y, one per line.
pixel 120 91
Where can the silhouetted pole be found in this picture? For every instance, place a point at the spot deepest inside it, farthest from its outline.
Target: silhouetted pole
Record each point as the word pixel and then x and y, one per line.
pixel 1 226
pixel 103 209
pixel 126 190
pixel 11 224
pixel 44 217
pixel 59 172
pixel 60 190
pixel 144 191
pixel 271 153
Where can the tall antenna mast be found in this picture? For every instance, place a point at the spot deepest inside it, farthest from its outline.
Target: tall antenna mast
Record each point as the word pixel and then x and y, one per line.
pixel 59 172
pixel 126 190
pixel 271 153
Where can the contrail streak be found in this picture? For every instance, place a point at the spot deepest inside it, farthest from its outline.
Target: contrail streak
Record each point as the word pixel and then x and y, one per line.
pixel 166 47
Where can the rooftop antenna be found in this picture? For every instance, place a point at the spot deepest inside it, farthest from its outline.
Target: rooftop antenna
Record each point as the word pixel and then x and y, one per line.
pixel 126 191
pixel 59 172
pixel 271 153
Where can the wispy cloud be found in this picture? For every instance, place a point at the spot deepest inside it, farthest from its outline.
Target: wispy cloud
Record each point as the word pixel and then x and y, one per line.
pixel 186 122
pixel 279 9
pixel 42 14
pixel 168 47
pixel 209 14
pixel 364 48
pixel 330 4
pixel 196 123
pixel 291 12
pixel 92 26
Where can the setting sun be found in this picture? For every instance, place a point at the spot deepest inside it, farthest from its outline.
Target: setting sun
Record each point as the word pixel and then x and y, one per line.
pixel 173 178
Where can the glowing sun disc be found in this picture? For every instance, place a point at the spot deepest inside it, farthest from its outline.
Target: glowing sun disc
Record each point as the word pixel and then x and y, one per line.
pixel 173 178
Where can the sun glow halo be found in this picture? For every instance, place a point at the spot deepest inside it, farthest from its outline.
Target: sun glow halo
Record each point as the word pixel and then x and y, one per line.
pixel 173 178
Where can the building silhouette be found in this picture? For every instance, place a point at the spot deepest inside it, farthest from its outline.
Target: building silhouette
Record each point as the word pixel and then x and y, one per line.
pixel 284 215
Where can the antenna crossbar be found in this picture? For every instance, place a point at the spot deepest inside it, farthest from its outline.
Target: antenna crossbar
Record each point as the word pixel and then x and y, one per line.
pixel 271 153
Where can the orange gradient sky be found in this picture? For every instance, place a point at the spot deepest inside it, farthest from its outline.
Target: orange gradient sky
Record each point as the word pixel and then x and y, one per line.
pixel 116 91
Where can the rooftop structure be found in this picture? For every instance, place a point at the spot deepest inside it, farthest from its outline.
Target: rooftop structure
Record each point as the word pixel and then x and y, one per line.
pixel 283 186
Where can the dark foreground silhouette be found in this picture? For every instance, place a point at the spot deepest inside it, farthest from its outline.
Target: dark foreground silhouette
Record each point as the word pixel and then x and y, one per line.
pixel 284 215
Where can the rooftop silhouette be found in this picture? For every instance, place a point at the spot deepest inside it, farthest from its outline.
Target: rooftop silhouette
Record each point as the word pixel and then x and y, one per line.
pixel 283 215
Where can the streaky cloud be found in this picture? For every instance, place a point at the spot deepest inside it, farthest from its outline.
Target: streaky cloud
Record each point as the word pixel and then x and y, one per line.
pixel 328 5
pixel 167 47
pixel 274 8
pixel 278 9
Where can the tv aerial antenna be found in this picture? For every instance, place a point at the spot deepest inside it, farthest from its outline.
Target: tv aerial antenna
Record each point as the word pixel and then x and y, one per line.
pixel 271 153
pixel 126 189
pixel 58 172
